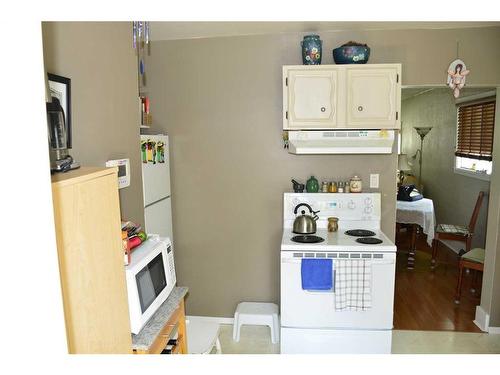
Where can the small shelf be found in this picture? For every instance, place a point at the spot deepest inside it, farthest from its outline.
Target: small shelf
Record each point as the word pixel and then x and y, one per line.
pixel 144 126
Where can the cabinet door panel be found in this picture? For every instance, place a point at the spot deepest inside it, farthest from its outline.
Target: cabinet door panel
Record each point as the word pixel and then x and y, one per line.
pixel 372 98
pixel 312 99
pixel 88 230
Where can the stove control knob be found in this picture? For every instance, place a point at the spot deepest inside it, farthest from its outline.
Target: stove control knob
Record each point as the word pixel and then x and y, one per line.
pixel 368 210
pixel 351 205
pixel 368 201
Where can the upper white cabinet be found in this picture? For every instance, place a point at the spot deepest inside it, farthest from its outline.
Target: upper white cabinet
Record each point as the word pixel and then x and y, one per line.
pixel 312 99
pixel 372 98
pixel 342 96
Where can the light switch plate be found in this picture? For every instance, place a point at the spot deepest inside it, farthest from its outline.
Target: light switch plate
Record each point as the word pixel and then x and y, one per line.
pixel 374 181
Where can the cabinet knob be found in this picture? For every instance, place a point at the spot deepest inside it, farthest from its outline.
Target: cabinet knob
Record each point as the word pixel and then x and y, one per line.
pixel 360 108
pixel 323 109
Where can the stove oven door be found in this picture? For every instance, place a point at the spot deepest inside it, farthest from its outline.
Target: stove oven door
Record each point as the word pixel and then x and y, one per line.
pixel 308 309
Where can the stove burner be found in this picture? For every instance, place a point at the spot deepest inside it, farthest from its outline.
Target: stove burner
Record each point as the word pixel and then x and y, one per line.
pixel 360 233
pixel 369 240
pixel 307 238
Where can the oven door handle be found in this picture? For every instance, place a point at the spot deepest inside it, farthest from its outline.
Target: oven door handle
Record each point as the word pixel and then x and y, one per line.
pixel 374 262
pixel 293 260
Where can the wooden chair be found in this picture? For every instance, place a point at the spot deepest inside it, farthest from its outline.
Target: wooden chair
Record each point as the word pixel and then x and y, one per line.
pixel 473 260
pixel 457 232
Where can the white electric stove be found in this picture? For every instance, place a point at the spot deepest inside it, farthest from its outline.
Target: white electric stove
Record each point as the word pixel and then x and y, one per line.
pixel 309 321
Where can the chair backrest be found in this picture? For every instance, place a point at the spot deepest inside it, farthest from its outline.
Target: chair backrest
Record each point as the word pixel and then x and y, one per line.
pixel 475 213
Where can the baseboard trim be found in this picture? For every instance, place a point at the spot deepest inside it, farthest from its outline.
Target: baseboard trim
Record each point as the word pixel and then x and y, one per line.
pixel 216 319
pixel 494 330
pixel 482 319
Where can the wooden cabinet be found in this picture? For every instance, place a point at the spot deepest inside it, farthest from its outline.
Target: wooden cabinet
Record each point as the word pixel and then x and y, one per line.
pixel 87 221
pixel 312 98
pixel 175 326
pixel 341 96
pixel 372 98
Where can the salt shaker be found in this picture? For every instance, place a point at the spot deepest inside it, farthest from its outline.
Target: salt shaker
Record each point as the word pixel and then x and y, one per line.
pixel 347 188
pixel 340 187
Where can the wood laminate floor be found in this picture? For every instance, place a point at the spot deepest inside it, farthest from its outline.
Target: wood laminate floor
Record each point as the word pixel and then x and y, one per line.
pixel 424 299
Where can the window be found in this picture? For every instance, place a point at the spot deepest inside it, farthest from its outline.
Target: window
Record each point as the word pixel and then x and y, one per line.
pixel 475 125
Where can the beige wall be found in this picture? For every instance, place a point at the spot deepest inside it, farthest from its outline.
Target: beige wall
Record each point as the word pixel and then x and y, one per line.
pixel 220 101
pixel 100 60
pixel 437 108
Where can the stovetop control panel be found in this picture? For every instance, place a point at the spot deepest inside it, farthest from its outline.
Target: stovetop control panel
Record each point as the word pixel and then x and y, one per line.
pixel 345 206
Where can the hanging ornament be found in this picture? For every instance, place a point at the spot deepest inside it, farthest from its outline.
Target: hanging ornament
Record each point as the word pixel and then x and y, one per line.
pixel 140 34
pixel 457 71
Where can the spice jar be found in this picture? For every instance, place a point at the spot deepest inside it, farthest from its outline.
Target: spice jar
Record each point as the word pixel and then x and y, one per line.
pixel 324 187
pixel 356 184
pixel 332 187
pixel 340 187
pixel 333 224
pixel 347 188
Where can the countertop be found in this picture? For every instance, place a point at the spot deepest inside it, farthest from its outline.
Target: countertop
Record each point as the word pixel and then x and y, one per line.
pixel 145 338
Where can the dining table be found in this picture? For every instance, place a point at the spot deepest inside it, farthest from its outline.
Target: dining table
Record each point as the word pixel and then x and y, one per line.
pixel 419 213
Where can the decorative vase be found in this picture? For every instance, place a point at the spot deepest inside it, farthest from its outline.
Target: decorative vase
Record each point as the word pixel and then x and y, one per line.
pixel 312 185
pixel 311 50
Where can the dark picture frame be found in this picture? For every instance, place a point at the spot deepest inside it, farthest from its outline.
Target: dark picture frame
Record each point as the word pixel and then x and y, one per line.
pixel 60 88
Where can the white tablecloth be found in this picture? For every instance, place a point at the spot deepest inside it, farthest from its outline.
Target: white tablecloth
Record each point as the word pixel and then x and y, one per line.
pixel 420 212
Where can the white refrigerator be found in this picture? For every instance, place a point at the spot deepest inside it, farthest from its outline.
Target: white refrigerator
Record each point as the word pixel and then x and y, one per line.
pixel 156 185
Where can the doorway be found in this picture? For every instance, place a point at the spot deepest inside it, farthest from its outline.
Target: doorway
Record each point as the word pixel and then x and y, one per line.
pixel 425 296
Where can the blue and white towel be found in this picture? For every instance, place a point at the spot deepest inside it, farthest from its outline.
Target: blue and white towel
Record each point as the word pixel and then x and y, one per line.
pixel 353 285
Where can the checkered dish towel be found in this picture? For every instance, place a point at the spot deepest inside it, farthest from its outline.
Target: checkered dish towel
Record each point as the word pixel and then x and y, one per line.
pixel 353 285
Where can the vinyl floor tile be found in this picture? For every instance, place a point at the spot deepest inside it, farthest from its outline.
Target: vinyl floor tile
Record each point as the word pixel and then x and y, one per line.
pixel 257 340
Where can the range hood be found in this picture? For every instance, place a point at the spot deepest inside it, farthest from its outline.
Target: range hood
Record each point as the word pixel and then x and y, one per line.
pixel 340 141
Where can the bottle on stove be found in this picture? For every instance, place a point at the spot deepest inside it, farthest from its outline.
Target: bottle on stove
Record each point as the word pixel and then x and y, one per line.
pixel 333 224
pixel 324 187
pixel 332 187
pixel 312 185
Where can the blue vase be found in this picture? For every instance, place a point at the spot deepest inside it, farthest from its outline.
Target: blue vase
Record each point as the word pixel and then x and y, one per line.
pixel 311 50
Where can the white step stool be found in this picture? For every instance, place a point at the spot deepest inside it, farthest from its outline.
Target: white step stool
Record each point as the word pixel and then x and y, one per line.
pixel 256 313
pixel 202 336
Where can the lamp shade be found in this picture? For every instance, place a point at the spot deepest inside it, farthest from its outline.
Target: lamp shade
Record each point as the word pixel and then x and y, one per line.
pixel 403 163
pixel 422 130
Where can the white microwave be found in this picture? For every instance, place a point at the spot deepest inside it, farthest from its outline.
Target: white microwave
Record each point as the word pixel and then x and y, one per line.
pixel 150 279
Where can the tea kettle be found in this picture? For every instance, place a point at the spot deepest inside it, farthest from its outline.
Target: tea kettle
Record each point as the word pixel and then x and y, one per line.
pixel 305 223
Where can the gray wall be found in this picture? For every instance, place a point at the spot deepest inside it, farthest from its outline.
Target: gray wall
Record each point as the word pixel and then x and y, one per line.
pixel 454 195
pixel 220 101
pixel 99 59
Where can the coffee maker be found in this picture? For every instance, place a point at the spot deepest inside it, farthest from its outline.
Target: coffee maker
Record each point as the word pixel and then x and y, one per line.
pixel 60 159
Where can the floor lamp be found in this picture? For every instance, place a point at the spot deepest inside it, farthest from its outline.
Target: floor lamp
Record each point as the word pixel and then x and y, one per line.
pixel 422 132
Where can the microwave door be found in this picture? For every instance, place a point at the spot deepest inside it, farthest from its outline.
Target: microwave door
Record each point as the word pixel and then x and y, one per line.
pixel 151 281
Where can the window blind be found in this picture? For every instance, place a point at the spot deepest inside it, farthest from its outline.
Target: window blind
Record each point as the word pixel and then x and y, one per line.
pixel 475 130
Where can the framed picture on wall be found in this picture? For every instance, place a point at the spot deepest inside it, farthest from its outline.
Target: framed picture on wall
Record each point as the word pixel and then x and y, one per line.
pixel 60 88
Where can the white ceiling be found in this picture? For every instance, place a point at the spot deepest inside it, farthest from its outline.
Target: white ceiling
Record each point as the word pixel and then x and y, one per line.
pixel 192 30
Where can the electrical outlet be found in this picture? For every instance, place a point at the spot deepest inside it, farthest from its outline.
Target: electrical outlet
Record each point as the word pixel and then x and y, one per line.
pixel 374 181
